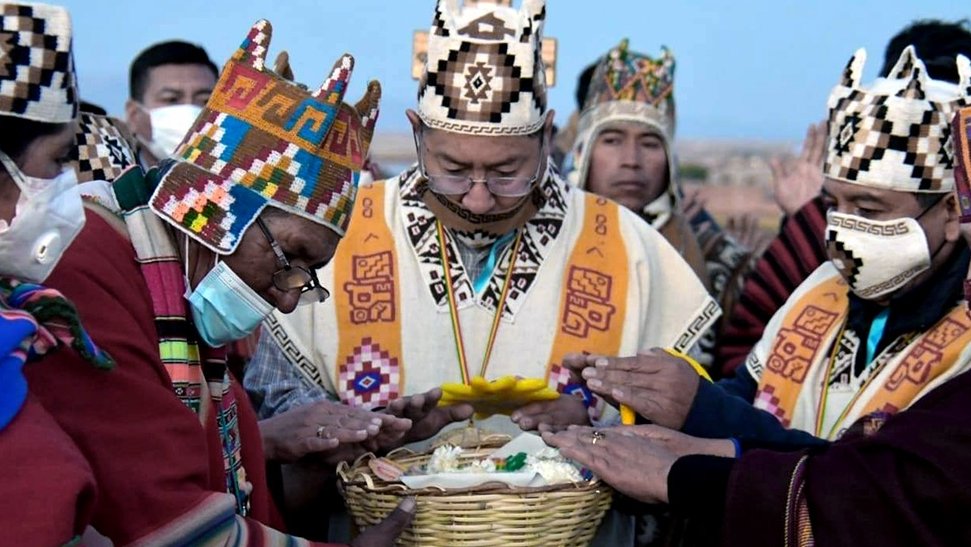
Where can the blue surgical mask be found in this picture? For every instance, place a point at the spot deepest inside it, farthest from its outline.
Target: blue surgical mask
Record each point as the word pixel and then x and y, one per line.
pixel 224 308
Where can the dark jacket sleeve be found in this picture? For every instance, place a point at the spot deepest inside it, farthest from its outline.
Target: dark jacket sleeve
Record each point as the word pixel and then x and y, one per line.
pixel 908 484
pixel 725 410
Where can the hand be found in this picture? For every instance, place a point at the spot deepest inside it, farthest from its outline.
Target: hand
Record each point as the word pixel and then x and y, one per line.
pixel 554 415
pixel 656 385
pixel 386 532
pixel 426 417
pixel 692 204
pixel 798 180
pixel 635 466
pixel 315 428
pixel 679 443
pixel 745 229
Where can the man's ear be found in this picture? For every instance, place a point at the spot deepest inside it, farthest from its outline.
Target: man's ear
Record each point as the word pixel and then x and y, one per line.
pixel 414 119
pixel 548 126
pixel 138 120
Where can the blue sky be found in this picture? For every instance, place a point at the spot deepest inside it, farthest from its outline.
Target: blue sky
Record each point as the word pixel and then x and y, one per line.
pixel 749 69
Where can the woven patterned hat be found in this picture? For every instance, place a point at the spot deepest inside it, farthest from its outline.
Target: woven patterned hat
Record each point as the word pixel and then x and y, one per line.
pixel 103 148
pixel 261 141
pixel 37 79
pixel 626 86
pixel 484 74
pixel 895 134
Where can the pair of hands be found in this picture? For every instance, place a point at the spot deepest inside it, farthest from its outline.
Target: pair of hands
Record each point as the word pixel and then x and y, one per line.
pixel 655 384
pixel 347 432
pixel 635 460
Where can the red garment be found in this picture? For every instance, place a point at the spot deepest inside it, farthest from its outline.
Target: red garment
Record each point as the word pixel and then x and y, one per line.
pixel 47 493
pixel 908 484
pixel 153 461
pixel 794 254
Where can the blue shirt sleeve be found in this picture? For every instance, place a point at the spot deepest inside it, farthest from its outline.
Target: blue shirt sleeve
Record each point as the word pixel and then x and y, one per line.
pixel 274 384
pixel 725 410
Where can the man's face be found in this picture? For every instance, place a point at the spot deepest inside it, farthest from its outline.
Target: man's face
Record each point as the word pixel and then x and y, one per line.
pixel 170 85
pixel 305 243
pixel 939 221
pixel 628 164
pixel 480 157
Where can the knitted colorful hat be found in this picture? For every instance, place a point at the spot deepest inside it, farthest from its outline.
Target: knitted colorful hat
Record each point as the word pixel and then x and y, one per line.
pixel 626 86
pixel 484 74
pixel 103 148
pixel 261 141
pixel 37 79
pixel 895 134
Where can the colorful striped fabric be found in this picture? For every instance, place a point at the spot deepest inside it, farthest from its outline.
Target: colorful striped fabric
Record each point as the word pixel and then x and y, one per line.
pixel 159 261
pixel 794 254
pixel 200 380
pixel 214 522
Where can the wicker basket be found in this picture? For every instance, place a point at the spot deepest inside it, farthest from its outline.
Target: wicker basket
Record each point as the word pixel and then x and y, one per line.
pixel 490 514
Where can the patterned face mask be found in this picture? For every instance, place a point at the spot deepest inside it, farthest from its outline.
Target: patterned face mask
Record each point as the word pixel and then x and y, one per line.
pixel 876 257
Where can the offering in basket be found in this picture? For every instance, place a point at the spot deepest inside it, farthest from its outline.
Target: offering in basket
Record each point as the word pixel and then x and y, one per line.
pixel 493 492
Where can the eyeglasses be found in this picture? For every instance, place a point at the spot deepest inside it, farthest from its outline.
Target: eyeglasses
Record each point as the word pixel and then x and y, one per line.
pixel 512 187
pixel 290 277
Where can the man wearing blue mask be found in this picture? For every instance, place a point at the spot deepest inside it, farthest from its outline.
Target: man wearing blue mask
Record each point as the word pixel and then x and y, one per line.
pixel 168 85
pixel 175 263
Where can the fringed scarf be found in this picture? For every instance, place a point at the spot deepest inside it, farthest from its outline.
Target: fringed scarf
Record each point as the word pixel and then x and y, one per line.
pixel 35 320
pixel 198 374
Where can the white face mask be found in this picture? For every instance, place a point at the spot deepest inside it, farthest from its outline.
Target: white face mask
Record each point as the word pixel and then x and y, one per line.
pixel 49 216
pixel 876 257
pixel 169 126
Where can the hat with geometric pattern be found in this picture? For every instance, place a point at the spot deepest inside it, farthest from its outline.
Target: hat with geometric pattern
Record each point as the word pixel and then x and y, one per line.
pixel 896 133
pixel 103 148
pixel 484 73
pixel 626 87
pixel 37 79
pixel 261 141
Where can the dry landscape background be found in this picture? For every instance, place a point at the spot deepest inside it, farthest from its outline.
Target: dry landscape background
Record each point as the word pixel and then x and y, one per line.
pixel 732 177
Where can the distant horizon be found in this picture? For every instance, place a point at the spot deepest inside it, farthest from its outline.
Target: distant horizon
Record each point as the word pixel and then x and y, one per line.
pixel 749 70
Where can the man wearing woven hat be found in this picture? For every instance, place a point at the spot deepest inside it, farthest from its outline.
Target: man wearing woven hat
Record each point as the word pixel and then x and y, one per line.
pixel 902 479
pixel 182 260
pixel 480 260
pixel 624 150
pixel 878 326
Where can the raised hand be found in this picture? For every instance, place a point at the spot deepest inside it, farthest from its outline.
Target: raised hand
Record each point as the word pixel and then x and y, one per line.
pixel 795 181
